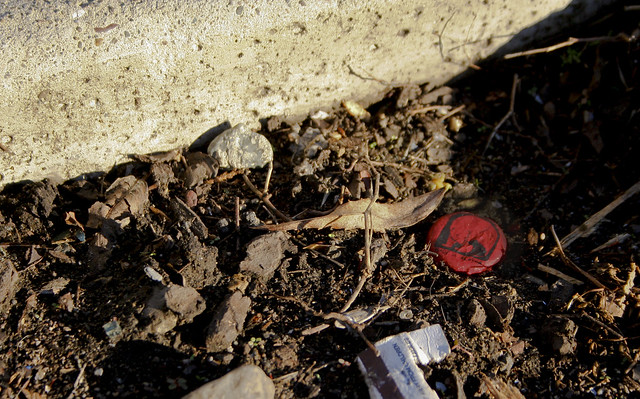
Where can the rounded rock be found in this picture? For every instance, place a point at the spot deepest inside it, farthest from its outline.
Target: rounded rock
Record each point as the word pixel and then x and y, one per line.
pixel 467 243
pixel 240 148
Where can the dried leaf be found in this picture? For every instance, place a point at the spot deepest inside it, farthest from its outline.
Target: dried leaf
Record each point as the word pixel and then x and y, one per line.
pixel 126 196
pixel 66 302
pixel 501 390
pixel 166 156
pixel 70 219
pixel 350 215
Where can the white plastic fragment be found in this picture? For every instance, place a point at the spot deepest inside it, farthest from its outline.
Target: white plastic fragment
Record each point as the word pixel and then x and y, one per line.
pixel 395 372
pixel 153 274
pixel 240 148
pixel 112 329
pixel 319 115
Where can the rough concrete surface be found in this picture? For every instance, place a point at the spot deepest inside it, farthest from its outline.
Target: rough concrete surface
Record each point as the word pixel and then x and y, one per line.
pixel 85 83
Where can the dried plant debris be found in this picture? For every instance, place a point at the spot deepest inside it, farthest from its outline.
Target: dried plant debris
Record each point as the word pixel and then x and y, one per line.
pixel 351 215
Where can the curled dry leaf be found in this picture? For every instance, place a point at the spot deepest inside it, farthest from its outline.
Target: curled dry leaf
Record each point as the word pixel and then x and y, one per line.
pixel 127 195
pixel 350 215
pixel 70 219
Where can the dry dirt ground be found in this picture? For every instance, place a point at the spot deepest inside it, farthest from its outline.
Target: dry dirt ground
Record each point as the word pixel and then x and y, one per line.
pixel 112 284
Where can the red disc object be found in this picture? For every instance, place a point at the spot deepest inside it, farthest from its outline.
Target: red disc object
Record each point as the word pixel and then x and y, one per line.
pixel 467 243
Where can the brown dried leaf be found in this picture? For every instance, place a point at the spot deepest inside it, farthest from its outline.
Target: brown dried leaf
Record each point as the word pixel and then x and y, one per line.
pixel 166 156
pixel 70 219
pixel 127 194
pixel 501 390
pixel 350 215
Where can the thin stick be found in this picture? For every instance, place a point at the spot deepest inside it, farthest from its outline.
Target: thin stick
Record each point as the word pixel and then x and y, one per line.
pixel 587 227
pixel 265 199
pixel 570 42
pixel 368 235
pixel 451 113
pixel 428 108
pixel 76 384
pixel 571 264
pixel 268 179
pixel 559 274
pixel 507 115
pixel 606 327
pixel 397 166
pixel 237 212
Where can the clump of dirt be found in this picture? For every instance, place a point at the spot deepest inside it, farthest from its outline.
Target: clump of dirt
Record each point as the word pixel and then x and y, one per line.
pixel 152 279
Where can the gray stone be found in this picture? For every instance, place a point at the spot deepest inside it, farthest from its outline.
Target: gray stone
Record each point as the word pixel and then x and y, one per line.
pixel 246 381
pixel 240 148
pixel 228 322
pixel 169 305
pixel 103 79
pixel 160 322
pixel 186 302
pixel 160 319
pixel 265 253
pixel 561 334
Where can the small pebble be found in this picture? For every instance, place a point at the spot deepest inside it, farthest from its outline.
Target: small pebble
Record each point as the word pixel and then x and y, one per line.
pixel 406 314
pixel 240 148
pixel 252 219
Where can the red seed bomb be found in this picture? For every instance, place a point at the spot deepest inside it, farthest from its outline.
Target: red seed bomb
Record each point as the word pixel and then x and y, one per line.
pixel 467 243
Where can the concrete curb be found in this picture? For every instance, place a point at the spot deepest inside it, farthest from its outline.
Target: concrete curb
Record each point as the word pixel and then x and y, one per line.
pixel 84 85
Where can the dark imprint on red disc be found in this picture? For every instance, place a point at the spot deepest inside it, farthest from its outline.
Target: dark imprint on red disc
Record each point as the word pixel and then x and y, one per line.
pixel 468 243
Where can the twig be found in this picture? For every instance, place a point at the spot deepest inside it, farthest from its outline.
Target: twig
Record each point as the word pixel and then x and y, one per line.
pixel 571 264
pixel 319 254
pixel 76 384
pixel 430 108
pixel 559 274
pixel 237 212
pixel 329 316
pixel 368 234
pixel 587 227
pixel 265 199
pixel 569 42
pixel 618 239
pixel 507 115
pixel 397 166
pixel 440 44
pixel 354 326
pixel 606 327
pixel 451 113
pixel 268 179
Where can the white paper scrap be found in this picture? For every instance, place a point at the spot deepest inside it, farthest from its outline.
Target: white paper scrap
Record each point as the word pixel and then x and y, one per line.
pixel 395 373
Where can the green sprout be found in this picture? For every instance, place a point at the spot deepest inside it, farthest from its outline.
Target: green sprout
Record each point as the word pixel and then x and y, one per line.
pixel 570 57
pixel 255 341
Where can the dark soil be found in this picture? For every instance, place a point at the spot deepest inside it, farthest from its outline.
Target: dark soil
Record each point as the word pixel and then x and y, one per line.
pixel 570 147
